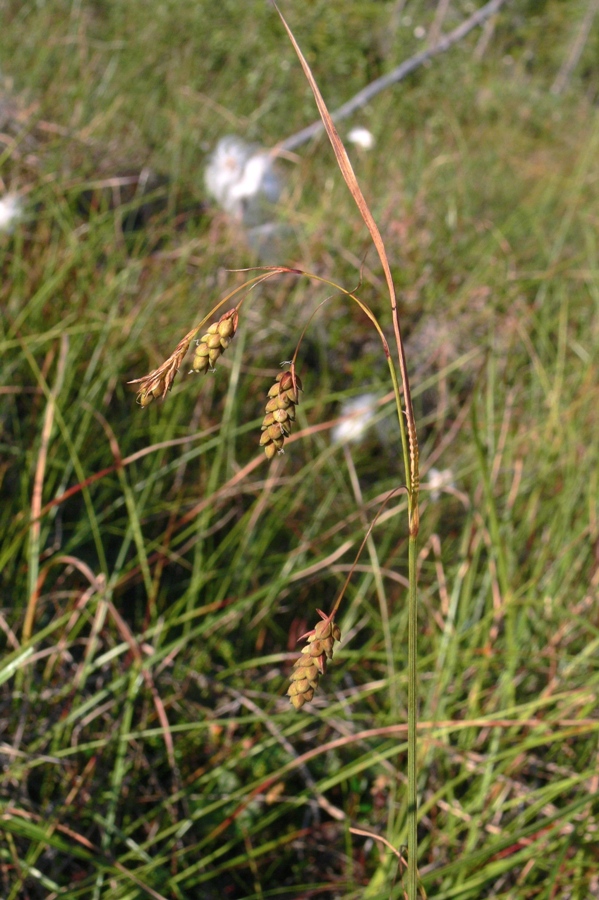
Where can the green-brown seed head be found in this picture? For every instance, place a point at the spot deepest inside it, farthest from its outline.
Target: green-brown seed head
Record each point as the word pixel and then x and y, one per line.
pixel 283 397
pixel 155 388
pixel 216 340
pixel 312 663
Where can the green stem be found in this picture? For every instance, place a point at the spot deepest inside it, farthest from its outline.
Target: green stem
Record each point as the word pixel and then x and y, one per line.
pixel 412 722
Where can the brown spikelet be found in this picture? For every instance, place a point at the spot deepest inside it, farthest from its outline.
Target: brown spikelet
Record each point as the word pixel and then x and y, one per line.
pixel 283 397
pixel 159 382
pixel 215 341
pixel 313 661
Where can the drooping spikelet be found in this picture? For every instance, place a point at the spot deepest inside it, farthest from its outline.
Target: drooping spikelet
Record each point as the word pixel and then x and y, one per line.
pixel 158 383
pixel 215 341
pixel 283 397
pixel 313 661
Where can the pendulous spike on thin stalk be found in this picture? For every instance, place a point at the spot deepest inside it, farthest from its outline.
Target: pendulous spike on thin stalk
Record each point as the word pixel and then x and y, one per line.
pixel 283 397
pixel 312 663
pixel 159 382
pixel 216 340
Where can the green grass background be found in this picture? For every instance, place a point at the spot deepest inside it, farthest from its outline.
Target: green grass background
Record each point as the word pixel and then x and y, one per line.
pixel 148 747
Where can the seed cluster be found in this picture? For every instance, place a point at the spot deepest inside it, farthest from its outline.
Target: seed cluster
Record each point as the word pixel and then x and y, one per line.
pixel 159 381
pixel 214 342
pixel 283 397
pixel 313 661
pixel 145 397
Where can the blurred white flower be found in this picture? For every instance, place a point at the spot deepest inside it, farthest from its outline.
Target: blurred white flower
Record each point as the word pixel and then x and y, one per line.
pixel 361 137
pixel 255 178
pixel 11 210
pixel 438 481
pixel 358 413
pixel 240 177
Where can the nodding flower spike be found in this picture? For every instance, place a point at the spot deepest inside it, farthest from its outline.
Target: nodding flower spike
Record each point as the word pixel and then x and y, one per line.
pixel 283 397
pixel 313 661
pixel 216 340
pixel 157 384
pixel 144 398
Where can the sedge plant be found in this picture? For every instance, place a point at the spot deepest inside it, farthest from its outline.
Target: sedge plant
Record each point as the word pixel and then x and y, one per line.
pixel 282 399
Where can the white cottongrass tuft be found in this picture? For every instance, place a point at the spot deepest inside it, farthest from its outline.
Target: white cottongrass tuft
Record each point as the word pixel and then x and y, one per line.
pixel 358 413
pixel 240 177
pixel 11 210
pixel 439 480
pixel 361 137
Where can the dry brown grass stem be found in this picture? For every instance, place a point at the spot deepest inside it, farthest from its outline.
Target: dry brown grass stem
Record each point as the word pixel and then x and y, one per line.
pixel 38 485
pixel 378 837
pixel 411 452
pixel 362 98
